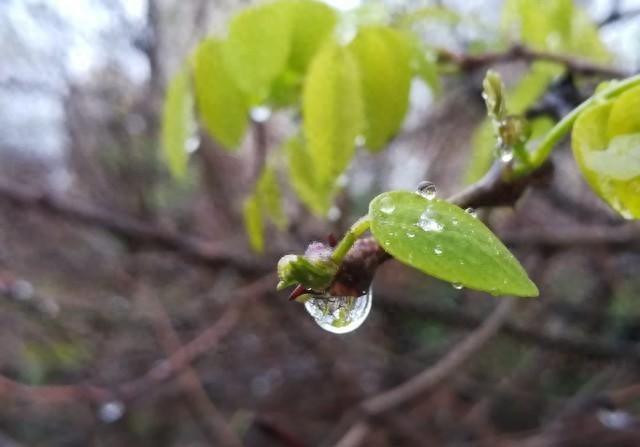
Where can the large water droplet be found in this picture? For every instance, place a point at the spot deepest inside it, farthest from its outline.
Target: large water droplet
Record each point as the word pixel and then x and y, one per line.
pixel 427 190
pixel 339 314
pixel 428 223
pixel 387 206
pixel 110 412
pixel 472 212
pixel 457 285
pixel 505 153
pixel 260 114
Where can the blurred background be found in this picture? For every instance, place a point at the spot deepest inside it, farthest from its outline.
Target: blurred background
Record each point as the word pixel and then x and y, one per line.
pixel 108 265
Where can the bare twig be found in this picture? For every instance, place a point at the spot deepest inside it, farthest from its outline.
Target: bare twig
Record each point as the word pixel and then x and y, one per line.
pixel 424 382
pixel 518 52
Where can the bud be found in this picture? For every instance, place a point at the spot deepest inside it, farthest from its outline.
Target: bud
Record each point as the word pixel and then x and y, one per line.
pixel 493 93
pixel 314 270
pixel 513 130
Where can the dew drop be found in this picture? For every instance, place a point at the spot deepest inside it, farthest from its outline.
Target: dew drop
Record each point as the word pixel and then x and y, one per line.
pixel 457 285
pixel 437 250
pixel 471 212
pixel 192 144
pixel 260 114
pixel 387 206
pixel 110 412
pixel 360 140
pixel 428 223
pixel 339 314
pixel 427 190
pixel 505 153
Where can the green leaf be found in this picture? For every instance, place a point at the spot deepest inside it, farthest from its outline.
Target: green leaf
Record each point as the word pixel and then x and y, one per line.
pixel 333 113
pixel 424 66
pixel 222 107
pixel 177 123
pixel 257 48
pixel 384 57
pixel 270 197
pixel 253 223
pixel 606 146
pixel 312 24
pixel 303 179
pixel 444 241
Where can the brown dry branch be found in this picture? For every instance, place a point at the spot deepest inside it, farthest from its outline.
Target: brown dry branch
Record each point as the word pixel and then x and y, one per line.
pixel 424 382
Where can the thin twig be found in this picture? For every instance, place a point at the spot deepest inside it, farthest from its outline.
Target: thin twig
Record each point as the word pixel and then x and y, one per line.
pixel 424 382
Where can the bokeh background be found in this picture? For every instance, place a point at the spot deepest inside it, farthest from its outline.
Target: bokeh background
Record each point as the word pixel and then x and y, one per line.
pixel 87 306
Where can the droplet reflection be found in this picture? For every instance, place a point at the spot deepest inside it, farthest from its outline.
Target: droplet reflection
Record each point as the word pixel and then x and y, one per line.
pixel 339 314
pixel 427 190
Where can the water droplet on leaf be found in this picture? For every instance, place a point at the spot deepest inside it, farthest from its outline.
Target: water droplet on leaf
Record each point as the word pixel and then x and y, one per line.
pixel 110 412
pixel 457 285
pixel 339 314
pixel 387 206
pixel 437 250
pixel 428 223
pixel 472 212
pixel 505 153
pixel 192 144
pixel 427 190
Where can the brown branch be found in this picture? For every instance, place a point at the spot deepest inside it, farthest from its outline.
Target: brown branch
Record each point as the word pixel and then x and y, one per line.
pixel 424 382
pixel 468 62
pixel 129 229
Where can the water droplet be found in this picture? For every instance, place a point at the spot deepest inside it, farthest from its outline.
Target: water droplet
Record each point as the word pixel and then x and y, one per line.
pixel 339 314
pixel 457 285
pixel 111 411
pixel 427 222
pixel 334 214
pixel 260 114
pixel 427 190
pixel 472 212
pixel 192 144
pixel 454 221
pixel 360 140
pixel 505 153
pixel 387 206
pixel 437 250
pixel 410 235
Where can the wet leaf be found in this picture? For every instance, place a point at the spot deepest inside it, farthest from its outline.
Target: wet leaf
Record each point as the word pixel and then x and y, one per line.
pixel 303 180
pixel 444 241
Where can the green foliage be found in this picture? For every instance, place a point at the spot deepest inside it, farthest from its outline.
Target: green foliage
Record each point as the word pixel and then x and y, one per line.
pixel 254 223
pixel 257 48
pixel 444 241
pixel 384 57
pixel 333 113
pixel 178 123
pixel 303 178
pixel 222 107
pixel 606 145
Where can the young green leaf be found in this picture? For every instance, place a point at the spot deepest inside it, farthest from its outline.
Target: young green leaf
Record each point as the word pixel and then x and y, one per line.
pixel 606 145
pixel 303 179
pixel 270 197
pixel 222 107
pixel 444 241
pixel 312 23
pixel 384 57
pixel 253 223
pixel 177 123
pixel 257 48
pixel 333 115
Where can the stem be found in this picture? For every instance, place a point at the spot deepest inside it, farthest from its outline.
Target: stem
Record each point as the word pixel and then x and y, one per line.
pixel 542 152
pixel 357 229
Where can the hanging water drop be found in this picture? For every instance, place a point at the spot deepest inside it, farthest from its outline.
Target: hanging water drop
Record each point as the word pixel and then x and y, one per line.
pixel 260 114
pixel 110 412
pixel 472 212
pixel 457 285
pixel 339 314
pixel 427 190
pixel 505 153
